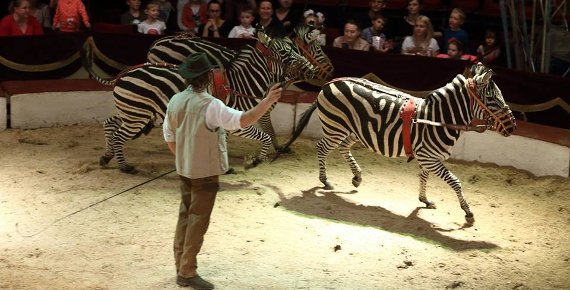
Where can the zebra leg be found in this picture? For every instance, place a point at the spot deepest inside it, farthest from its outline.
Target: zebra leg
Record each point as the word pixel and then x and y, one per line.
pixel 110 126
pixel 267 127
pixel 124 133
pixel 344 150
pixel 324 147
pixel 254 133
pixel 424 174
pixel 437 168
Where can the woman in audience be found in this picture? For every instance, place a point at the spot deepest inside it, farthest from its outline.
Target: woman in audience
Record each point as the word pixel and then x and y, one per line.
pixel 404 26
pixel 215 26
pixel 265 18
pixel 422 41
pixel 287 15
pixel 351 38
pixel 19 21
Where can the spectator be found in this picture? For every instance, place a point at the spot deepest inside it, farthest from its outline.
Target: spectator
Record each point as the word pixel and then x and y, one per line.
pixel 375 36
pixel 405 26
pixel 422 41
pixel 19 21
pixel 194 129
pixel 233 8
pixel 265 18
pixel 455 51
pixel 287 15
pixel 456 19
pixel 215 26
pixel 351 38
pixel 165 9
pixel 152 24
pixel 365 18
pixel 244 30
pixel 42 13
pixel 489 51
pixel 194 14
pixel 318 21
pixel 134 15
pixel 69 14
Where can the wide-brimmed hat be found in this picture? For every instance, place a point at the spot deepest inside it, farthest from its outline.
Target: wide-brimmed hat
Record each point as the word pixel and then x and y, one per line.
pixel 195 65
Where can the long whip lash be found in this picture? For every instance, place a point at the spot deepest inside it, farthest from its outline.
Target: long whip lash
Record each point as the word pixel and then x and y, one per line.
pixel 91 205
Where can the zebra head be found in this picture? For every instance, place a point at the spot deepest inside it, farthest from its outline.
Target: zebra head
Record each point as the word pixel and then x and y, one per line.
pixel 282 52
pixel 491 105
pixel 306 40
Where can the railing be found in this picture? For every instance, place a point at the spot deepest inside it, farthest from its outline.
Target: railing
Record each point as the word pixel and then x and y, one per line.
pixel 540 98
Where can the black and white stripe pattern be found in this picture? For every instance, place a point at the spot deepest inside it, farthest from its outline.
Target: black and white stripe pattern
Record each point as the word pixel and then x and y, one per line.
pixel 175 49
pixel 142 93
pixel 356 110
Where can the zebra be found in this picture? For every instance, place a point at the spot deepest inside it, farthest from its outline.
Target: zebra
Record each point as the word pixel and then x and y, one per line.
pixel 142 92
pixel 174 49
pixel 393 123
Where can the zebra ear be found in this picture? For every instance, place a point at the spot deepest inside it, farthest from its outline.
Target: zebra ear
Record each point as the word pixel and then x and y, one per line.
pixel 481 74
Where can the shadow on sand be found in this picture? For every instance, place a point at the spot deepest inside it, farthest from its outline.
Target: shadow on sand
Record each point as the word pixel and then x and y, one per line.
pixel 374 216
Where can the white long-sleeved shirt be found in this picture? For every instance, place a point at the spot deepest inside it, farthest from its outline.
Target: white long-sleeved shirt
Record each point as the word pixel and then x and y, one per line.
pixel 217 115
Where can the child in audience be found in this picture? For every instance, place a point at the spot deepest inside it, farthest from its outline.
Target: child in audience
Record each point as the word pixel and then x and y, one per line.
pixel 456 19
pixel 244 30
pixel 68 16
pixel 455 51
pixel 317 20
pixel 422 41
pixel 152 24
pixel 134 15
pixel 489 51
pixel 351 38
pixel 194 14
pixel 374 34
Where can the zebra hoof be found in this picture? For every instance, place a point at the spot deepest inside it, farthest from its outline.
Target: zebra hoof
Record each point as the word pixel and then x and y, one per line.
pixel 356 181
pixel 252 163
pixel 231 171
pixel 104 160
pixel 328 185
pixel 429 204
pixel 128 169
pixel 469 220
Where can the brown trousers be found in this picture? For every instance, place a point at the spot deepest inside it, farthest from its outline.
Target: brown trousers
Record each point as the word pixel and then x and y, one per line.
pixel 198 197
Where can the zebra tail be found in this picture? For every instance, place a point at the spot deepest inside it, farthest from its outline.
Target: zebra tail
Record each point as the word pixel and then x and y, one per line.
pixel 305 117
pixel 87 62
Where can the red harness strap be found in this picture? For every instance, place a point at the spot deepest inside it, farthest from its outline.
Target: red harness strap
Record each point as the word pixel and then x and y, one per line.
pixel 407 113
pixel 220 88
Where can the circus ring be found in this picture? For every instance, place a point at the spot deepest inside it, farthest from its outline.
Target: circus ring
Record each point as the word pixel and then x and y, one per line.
pixel 274 227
